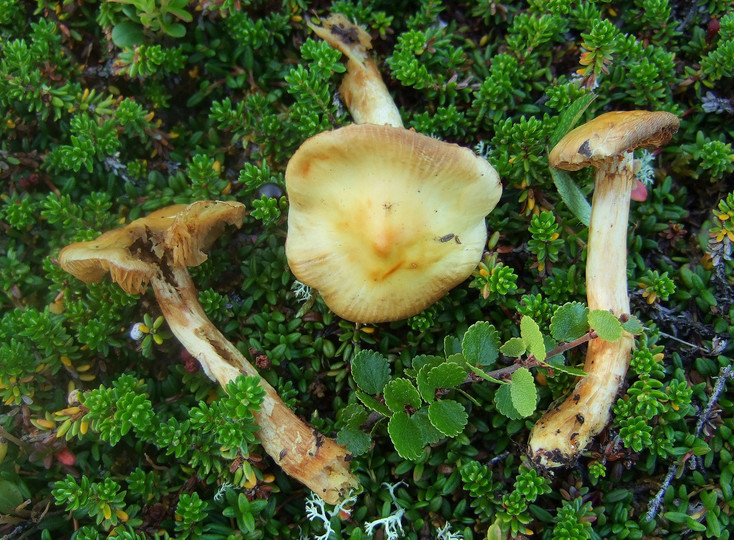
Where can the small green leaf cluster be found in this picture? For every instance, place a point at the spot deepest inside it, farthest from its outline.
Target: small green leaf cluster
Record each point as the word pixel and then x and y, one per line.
pixel 721 234
pixel 656 286
pixel 149 60
pixel 190 512
pixel 477 480
pixel 573 520
pixel 514 516
pixel 545 242
pixel 494 279
pixel 314 110
pixel 714 157
pixel 428 60
pixel 102 501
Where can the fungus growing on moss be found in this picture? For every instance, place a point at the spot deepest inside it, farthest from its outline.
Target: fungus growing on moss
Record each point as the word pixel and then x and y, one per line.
pixel 383 221
pixel 157 249
pixel 605 143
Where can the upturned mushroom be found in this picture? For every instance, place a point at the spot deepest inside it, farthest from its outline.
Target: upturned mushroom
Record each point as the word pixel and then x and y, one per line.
pixel 383 221
pixel 157 249
pixel 605 143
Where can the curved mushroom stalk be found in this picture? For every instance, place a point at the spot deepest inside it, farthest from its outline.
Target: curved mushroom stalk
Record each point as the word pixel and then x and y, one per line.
pixel 564 431
pixel 156 250
pixel 363 90
pixel 605 143
pixel 302 452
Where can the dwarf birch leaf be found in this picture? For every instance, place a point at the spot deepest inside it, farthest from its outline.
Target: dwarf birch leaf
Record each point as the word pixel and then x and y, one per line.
pixel 513 347
pixel 523 392
pixel 372 404
pixel 447 375
pixel 532 337
pixel 406 436
pixel 429 433
pixel 400 392
pixel 425 387
pixel 503 402
pixel 353 415
pixel 371 371
pixel 569 322
pixel 447 416
pixel 426 359
pixel 605 324
pixel 480 345
pixel 633 326
pixel 356 440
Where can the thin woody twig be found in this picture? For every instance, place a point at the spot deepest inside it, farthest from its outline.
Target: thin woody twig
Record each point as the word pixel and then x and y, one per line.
pixel 654 505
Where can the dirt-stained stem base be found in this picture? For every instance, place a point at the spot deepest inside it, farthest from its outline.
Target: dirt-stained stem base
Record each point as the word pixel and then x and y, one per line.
pixel 565 431
pixel 302 452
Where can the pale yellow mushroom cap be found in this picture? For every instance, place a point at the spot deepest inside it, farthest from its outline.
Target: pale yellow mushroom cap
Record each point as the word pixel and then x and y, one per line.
pixel 384 221
pixel 610 135
pixel 132 254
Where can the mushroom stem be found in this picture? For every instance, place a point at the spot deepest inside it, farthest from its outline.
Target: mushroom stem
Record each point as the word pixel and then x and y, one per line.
pixel 564 431
pixel 301 451
pixel 362 89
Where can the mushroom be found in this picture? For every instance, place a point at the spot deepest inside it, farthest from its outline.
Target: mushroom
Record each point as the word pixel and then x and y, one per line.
pixel 157 249
pixel 383 221
pixel 605 143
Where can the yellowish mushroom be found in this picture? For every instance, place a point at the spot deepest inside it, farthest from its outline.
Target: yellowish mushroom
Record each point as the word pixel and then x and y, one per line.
pixel 605 143
pixel 156 250
pixel 383 221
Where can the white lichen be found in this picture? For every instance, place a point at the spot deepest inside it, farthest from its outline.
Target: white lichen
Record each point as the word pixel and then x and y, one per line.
pixel 392 524
pixel 316 511
pixel 646 172
pixel 445 533
pixel 302 291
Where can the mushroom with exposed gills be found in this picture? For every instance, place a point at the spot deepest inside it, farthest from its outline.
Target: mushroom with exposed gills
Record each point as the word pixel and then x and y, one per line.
pixel 158 249
pixel 605 143
pixel 383 221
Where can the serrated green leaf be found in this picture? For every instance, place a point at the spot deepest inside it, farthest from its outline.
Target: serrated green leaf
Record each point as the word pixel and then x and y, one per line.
pixel 633 325
pixel 605 324
pixel 419 361
pixel 371 371
pixel 569 322
pixel 532 337
pixel 429 433
pixel 503 402
pixel 447 375
pixel 400 392
pixel 425 388
pixel 570 117
pixel 353 415
pixel 406 436
pixel 356 441
pixel 448 416
pixel 480 344
pixel 523 392
pixel 513 347
pixel 572 195
pixel 372 404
